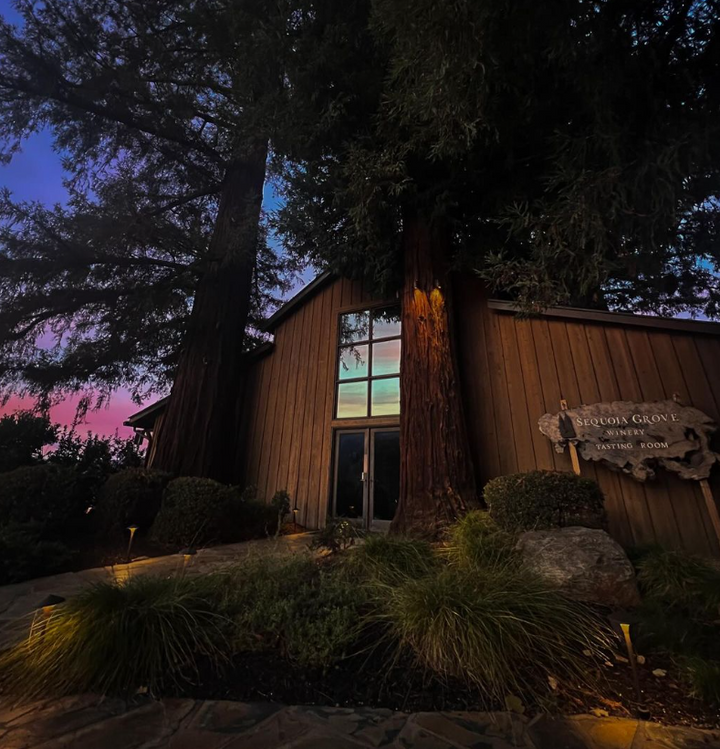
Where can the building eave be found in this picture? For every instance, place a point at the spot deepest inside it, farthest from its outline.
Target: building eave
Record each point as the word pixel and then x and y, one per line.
pixel 616 318
pixel 295 302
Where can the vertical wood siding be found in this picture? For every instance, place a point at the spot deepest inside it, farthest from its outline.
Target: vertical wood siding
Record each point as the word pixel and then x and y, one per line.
pixel 514 370
pixel 287 412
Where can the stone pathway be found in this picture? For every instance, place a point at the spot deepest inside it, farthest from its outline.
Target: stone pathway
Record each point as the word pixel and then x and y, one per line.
pixel 85 723
pixel 18 602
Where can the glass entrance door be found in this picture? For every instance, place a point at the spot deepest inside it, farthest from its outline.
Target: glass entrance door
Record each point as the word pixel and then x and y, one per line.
pixel 367 476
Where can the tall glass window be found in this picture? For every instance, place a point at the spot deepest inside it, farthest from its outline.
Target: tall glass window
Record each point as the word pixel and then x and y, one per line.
pixel 368 364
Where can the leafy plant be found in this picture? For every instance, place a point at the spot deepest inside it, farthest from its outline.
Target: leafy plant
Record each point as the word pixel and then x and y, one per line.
pixel 114 638
pixel 476 540
pixel 499 629
pixel 336 536
pixel 281 505
pixel 544 499
pixel 310 615
pixel 131 496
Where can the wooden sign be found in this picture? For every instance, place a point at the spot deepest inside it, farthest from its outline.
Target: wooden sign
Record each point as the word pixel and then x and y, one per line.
pixel 637 437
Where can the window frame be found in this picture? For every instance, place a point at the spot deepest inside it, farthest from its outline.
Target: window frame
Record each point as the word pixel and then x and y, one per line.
pixel 371 309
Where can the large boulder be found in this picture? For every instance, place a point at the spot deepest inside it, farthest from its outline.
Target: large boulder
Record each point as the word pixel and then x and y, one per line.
pixel 584 563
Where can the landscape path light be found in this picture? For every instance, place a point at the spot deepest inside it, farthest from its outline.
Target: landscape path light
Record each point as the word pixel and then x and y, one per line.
pixel 187 555
pixel 44 611
pixel 295 511
pixel 132 529
pixel 623 620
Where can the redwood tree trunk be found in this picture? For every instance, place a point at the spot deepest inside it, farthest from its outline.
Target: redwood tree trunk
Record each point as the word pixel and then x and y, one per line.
pixel 199 430
pixel 437 482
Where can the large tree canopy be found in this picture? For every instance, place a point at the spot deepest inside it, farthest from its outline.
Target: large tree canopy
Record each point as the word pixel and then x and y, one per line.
pixel 572 148
pixel 566 152
pixel 150 103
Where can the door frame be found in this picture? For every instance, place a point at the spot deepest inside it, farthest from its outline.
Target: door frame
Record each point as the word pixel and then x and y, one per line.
pixel 372 524
pixel 366 521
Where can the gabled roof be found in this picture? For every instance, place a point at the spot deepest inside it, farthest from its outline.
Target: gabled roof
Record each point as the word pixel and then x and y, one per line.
pixel 146 418
pixel 304 295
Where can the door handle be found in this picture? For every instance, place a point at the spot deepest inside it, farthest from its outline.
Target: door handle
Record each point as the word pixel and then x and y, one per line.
pixel 363 476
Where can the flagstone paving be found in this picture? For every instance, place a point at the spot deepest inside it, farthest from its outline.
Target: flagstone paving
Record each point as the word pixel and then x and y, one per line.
pixel 18 602
pixel 87 723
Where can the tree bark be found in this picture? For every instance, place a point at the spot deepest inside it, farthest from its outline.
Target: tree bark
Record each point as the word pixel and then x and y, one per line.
pixel 437 482
pixel 199 430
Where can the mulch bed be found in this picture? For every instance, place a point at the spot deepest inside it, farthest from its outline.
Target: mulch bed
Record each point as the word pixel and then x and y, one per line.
pixel 368 680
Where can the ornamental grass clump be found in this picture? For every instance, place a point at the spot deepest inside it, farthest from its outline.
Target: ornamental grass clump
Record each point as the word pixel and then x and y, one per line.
pixel 391 558
pixel 498 629
pixel 476 541
pixel 116 638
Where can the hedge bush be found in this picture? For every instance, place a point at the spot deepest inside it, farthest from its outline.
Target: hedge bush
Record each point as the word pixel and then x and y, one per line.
pixel 45 494
pixel 544 499
pixel 197 511
pixel 24 555
pixel 130 496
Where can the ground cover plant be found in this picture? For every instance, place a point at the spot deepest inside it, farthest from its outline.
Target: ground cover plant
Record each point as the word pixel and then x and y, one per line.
pixel 389 621
pixel 680 615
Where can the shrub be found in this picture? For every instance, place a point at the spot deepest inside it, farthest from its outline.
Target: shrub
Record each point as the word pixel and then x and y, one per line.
pixel 475 540
pixel 23 555
pixel 499 629
pixel 130 496
pixel 44 494
pixel 544 499
pixel 23 436
pixel 114 638
pixel 196 511
pixel 387 558
pixel 310 615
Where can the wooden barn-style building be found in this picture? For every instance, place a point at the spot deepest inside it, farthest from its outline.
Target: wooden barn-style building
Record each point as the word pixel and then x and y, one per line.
pixel 321 409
